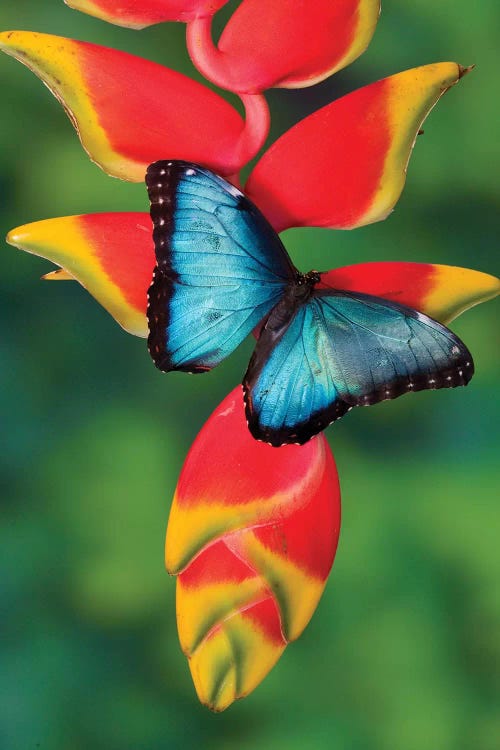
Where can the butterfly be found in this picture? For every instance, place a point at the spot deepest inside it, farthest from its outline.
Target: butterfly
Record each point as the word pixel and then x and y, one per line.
pixel 222 271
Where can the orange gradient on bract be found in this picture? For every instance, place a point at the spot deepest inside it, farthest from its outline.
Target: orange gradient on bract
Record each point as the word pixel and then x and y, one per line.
pixel 442 292
pixel 129 111
pixel 251 584
pixel 110 254
pixel 350 157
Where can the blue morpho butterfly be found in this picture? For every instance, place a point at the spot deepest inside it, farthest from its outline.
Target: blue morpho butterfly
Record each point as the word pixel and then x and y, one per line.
pixel 222 269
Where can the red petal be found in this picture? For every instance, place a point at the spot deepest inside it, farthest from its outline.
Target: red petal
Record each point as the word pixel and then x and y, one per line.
pixel 111 255
pixel 268 44
pixel 345 165
pixel 253 532
pixel 443 292
pixel 128 111
pixel 138 15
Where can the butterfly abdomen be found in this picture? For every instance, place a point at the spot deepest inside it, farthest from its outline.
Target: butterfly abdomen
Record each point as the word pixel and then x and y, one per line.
pixel 294 296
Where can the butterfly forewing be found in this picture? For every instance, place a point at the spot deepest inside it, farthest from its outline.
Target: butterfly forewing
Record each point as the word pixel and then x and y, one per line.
pixel 342 350
pixel 382 350
pixel 220 267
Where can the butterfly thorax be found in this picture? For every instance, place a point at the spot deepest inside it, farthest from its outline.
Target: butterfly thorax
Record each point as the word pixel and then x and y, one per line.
pixel 301 288
pixel 294 296
pixel 307 279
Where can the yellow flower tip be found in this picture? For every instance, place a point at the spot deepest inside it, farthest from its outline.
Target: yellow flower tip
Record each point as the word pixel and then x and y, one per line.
pixel 26 238
pixel 5 36
pixel 78 4
pixel 60 274
pixel 17 43
pixel 489 285
pixel 213 672
pixel 455 290
pixel 87 6
pixel 17 236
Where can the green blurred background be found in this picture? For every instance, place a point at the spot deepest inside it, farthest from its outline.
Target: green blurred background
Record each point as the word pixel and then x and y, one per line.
pixel 404 650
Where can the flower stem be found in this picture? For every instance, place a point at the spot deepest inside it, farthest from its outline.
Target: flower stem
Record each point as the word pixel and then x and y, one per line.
pixel 212 63
pixel 205 56
pixel 256 128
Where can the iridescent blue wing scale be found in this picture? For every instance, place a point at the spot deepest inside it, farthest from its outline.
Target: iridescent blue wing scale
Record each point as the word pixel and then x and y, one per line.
pixel 221 267
pixel 341 350
pixel 290 394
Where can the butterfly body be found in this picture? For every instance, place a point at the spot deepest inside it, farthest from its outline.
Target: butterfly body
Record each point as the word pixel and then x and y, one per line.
pixel 222 270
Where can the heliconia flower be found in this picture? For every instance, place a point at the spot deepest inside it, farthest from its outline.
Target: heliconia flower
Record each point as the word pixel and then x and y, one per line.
pixel 253 530
pixel 350 157
pixel 252 534
pixel 112 256
pixel 269 44
pixel 138 15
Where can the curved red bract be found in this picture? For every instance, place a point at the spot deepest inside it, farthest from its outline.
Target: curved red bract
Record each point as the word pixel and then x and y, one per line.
pixel 442 292
pixel 350 157
pixel 143 125
pixel 252 534
pixel 297 45
pixel 139 14
pixel 117 104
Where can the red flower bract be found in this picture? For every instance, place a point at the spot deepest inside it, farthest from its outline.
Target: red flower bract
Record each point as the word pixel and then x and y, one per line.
pixel 253 533
pixel 297 46
pixel 137 15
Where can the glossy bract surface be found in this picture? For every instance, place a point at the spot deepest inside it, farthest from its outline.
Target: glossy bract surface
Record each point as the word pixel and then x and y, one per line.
pixel 137 14
pixel 252 534
pixel 350 157
pixel 112 99
pixel 297 45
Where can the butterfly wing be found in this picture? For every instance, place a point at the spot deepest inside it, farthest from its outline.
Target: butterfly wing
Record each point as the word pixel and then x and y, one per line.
pixel 290 394
pixel 220 267
pixel 342 350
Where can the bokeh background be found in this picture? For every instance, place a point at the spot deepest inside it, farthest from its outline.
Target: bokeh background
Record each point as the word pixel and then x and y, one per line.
pixel 404 650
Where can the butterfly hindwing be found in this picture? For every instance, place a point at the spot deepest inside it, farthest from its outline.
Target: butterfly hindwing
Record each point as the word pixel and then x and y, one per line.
pixel 220 267
pixel 341 350
pixel 289 392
